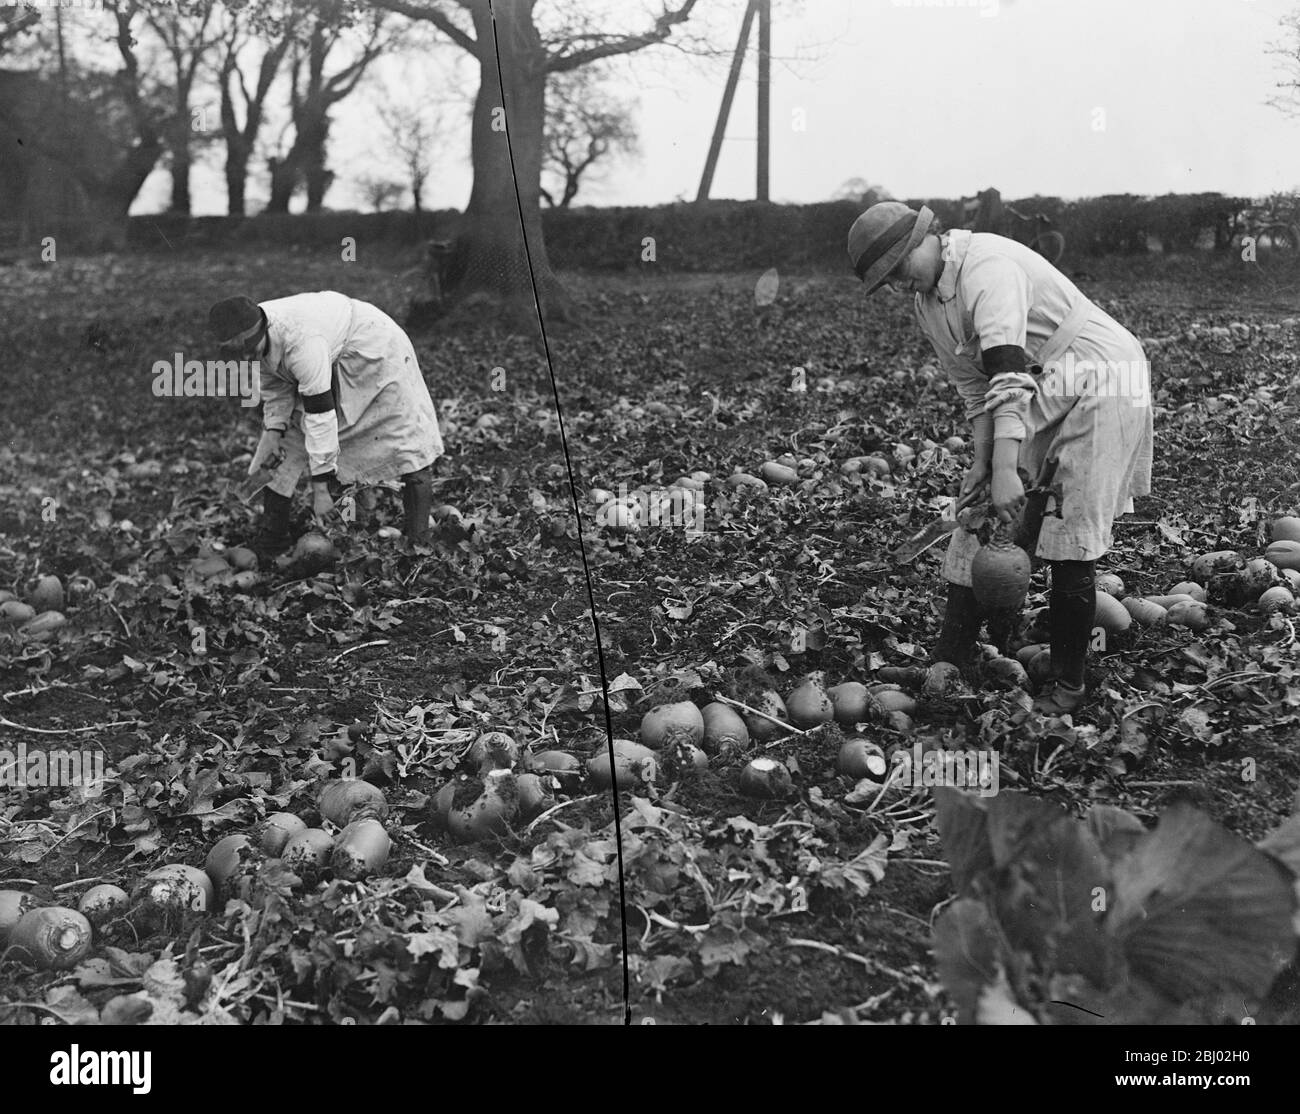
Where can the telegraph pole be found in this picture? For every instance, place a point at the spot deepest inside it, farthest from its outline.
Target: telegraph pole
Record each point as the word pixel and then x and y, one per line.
pixel 763 10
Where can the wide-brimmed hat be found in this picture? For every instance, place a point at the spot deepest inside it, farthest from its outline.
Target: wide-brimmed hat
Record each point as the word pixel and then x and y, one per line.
pixel 234 321
pixel 882 237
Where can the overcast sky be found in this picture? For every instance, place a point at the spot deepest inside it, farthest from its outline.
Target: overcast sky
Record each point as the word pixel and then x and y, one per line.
pixel 1061 97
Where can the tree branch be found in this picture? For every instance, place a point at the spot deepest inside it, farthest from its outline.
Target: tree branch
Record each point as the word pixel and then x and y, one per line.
pixel 438 18
pixel 663 28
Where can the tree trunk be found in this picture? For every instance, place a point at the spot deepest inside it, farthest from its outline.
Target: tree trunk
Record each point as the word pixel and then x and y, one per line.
pixel 284 181
pixel 181 161
pixel 312 139
pixel 236 177
pixel 489 263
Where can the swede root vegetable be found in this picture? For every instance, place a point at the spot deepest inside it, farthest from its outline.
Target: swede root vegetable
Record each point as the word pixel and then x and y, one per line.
pixel 1144 612
pixel 51 938
pixel 534 796
pixel 278 829
pixel 1111 615
pixel 43 626
pixel 669 724
pixel 808 705
pixel 1286 529
pixel 1008 672
pixel 1284 554
pixel 13 904
pixel 349 799
pixel 744 479
pixel 47 595
pixel 103 902
pixel 494 750
pixel 490 812
pixel 1040 668
pixel 1000 576
pixel 724 730
pixel 1111 584
pixel 565 768
pixel 225 859
pixel 848 702
pixel 241 558
pixel 1026 654
pixel 313 553
pixel 1190 614
pixel 766 778
pixel 633 767
pixel 1188 588
pixel 762 730
pixel 361 848
pixel 208 567
pixel 1219 561
pixel 1276 598
pixel 890 698
pixel 780 474
pixel 1168 601
pixel 861 758
pixel 307 850
pixel 175 889
pixel 941 679
pixel 16 612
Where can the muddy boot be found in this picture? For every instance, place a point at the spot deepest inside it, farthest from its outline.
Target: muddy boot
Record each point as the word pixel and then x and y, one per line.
pixel 274 533
pixel 961 627
pixel 417 502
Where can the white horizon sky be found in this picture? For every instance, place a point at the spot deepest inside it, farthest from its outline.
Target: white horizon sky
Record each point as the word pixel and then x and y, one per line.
pixel 1073 98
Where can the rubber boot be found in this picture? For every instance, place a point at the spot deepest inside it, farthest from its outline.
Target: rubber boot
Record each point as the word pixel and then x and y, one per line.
pixel 417 502
pixel 274 531
pixel 961 627
pixel 1072 604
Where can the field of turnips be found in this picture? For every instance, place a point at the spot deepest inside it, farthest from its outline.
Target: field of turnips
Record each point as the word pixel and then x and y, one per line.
pixel 381 784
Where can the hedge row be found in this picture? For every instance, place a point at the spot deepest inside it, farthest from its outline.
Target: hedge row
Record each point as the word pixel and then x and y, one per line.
pixel 721 235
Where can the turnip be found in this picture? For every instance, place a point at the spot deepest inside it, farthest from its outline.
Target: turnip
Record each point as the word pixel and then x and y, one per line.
pixel 175 889
pixel 494 750
pixel 1110 614
pixel 808 705
pixel 1169 600
pixel 43 626
pixel 1144 612
pixel 241 558
pixel 724 730
pixel 1008 672
pixel 208 567
pixel 1189 613
pixel 103 902
pixel 744 479
pixel 1110 584
pixel 1219 561
pixel 766 778
pixel 1000 576
pixel 600 496
pixel 16 612
pixel 313 553
pixel 861 758
pixel 1286 529
pixel 361 849
pixel 52 938
pixel 490 812
pixel 1284 554
pixel 277 830
pixel 891 698
pixel 672 723
pixel 780 474
pixel 1188 588
pixel 534 796
pixel 1276 598
pixel 346 800
pixel 307 850
pixel 1026 654
pixel 954 444
pixel 1040 667
pixel 47 595
pixel 226 858
pixel 634 766
pixel 849 702
pixel 761 729
pixel 565 768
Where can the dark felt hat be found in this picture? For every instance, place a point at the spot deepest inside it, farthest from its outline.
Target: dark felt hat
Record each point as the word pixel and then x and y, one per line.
pixel 882 237
pixel 233 320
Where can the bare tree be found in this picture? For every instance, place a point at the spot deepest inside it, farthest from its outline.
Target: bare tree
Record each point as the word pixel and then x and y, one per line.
pixel 274 25
pixel 412 132
pixel 490 257
pixel 16 22
pixel 313 94
pixel 584 124
pixel 1287 99
pixel 380 193
pixel 188 31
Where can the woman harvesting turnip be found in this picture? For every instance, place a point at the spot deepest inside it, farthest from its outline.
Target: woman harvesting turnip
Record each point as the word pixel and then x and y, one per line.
pixel 1046 377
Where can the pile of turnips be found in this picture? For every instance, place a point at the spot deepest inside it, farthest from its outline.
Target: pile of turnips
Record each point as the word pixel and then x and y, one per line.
pixel 351 842
pixel 631 511
pixel 499 788
pixel 40 616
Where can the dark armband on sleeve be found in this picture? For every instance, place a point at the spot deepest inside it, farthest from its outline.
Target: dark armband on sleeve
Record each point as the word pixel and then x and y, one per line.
pixel 1005 359
pixel 322 403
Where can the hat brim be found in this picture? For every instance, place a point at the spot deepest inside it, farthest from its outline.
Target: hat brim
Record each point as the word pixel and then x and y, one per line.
pixel 876 274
